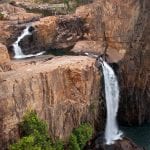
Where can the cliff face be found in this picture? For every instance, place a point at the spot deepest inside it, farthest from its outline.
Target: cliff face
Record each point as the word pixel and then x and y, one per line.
pixel 64 91
pixel 122 28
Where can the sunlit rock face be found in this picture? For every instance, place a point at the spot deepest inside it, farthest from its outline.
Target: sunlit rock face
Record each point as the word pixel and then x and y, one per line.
pixel 64 91
pixel 4 56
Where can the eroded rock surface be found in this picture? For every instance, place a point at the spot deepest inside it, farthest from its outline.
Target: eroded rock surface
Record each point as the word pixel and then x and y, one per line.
pixel 4 56
pixel 64 91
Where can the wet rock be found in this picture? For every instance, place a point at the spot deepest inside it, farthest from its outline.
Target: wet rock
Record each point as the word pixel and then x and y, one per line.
pixel 64 91
pixel 98 143
pixel 54 32
pixel 13 23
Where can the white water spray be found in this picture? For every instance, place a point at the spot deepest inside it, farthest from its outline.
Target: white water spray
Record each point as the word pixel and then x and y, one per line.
pixel 17 49
pixel 112 132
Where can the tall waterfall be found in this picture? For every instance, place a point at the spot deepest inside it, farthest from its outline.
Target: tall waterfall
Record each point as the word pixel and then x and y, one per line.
pixel 112 132
pixel 17 49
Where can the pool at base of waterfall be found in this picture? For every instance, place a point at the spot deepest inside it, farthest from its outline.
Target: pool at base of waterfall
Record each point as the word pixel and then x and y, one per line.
pixel 139 134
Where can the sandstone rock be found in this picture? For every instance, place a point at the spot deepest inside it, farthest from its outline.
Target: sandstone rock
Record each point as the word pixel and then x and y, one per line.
pixel 54 32
pixel 11 25
pixel 4 56
pixel 16 14
pixel 64 91
pixel 98 48
pixel 94 47
pixel 46 9
pixel 124 26
pixel 43 36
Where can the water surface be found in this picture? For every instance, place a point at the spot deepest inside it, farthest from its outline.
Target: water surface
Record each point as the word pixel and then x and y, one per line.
pixel 140 135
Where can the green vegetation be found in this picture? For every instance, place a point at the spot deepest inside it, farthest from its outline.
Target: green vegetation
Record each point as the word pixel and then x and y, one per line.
pixel 34 136
pixel 80 136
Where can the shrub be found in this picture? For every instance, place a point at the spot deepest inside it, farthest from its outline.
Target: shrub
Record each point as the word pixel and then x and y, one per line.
pixel 31 123
pixel 73 144
pixel 58 145
pixel 26 143
pixel 35 134
pixel 80 136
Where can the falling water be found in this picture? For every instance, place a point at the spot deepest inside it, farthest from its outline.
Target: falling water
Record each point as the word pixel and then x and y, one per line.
pixel 17 49
pixel 112 132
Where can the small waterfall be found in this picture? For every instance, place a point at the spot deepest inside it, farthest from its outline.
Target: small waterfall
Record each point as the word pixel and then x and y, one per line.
pixel 17 49
pixel 112 132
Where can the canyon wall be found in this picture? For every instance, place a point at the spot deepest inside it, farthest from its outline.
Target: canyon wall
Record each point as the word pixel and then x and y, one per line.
pixel 122 30
pixel 64 91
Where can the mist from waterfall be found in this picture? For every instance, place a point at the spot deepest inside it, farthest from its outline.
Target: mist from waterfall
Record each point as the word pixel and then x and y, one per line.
pixel 17 49
pixel 112 132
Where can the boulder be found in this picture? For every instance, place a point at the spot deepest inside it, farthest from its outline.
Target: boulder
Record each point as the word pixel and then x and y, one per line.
pixel 64 91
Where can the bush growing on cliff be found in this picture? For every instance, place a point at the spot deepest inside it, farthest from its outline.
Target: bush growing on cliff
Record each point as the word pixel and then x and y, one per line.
pixel 31 123
pixel 34 134
pixel 73 144
pixel 80 136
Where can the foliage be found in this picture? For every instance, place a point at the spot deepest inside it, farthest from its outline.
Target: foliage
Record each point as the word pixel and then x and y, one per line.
pixel 80 136
pixel 35 136
pixel 58 145
pixel 73 144
pixel 31 123
pixel 26 143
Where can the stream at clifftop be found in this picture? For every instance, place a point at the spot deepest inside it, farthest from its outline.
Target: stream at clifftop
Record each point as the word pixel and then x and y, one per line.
pixel 139 134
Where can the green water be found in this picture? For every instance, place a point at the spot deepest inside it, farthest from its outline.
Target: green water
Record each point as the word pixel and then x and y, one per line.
pixel 140 135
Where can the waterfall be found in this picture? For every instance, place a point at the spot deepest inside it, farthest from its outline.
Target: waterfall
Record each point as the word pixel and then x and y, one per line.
pixel 112 132
pixel 17 49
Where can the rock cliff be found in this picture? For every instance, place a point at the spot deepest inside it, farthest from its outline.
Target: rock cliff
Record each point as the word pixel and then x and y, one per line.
pixel 64 91
pixel 122 28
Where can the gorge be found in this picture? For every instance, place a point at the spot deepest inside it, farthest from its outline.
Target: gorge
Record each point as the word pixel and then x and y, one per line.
pixel 66 91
